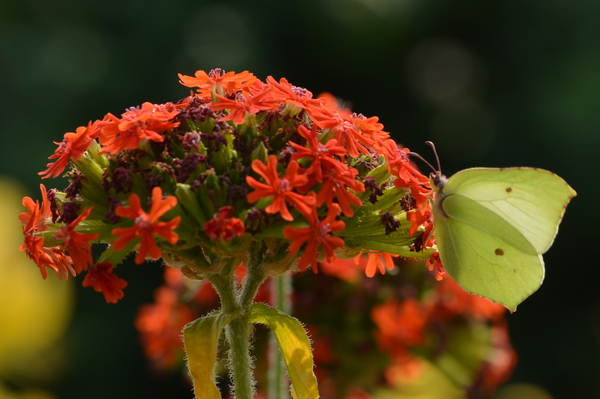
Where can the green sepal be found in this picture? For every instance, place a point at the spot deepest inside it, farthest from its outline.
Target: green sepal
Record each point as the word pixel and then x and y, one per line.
pixel 261 153
pixel 220 159
pixel 184 230
pixel 92 226
pixel 201 341
pixel 402 250
pixel 295 348
pixel 370 225
pixel 380 173
pixel 188 200
pixel 93 152
pixel 91 185
pixel 115 257
pixel 205 202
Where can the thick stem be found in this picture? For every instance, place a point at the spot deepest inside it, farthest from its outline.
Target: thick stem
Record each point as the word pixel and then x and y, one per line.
pixel 238 333
pixel 224 285
pixel 281 289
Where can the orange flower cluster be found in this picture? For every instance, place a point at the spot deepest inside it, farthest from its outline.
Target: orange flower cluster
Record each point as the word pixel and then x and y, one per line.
pixel 245 169
pixel 240 161
pixel 430 326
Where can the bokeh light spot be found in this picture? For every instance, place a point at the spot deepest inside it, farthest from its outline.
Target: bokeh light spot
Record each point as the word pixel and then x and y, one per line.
pixel 213 43
pixel 75 59
pixel 442 70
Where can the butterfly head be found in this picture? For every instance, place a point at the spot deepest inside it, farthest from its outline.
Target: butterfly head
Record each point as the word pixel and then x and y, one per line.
pixel 437 180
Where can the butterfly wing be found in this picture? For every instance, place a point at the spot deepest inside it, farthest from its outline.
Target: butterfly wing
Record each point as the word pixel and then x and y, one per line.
pixel 485 254
pixel 532 200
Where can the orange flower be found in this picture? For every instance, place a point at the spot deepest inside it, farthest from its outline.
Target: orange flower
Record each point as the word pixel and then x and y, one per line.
pixel 332 105
pixel 378 261
pixel 335 186
pixel 345 269
pixel 318 233
pixel 76 243
pixel 222 227
pixel 406 173
pixel 102 279
pixel 160 325
pixel 320 154
pixel 417 218
pixel 72 146
pixel 293 95
pixel 35 220
pixel 451 300
pixel 345 134
pixel 125 133
pixel 279 189
pixel 401 324
pixel 218 82
pixel 369 128
pixel 147 225
pixel 41 214
pixel 242 106
pixel 435 263
pixel 52 257
pixel 354 131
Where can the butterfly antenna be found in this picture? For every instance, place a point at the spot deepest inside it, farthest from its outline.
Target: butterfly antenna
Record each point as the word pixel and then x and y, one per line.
pixel 430 143
pixel 414 154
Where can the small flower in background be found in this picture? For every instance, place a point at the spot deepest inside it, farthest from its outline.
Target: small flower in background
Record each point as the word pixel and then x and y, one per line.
pixel 160 324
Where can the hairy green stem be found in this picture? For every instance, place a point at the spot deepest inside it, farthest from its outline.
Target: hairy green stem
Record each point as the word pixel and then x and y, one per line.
pixel 238 332
pixel 255 276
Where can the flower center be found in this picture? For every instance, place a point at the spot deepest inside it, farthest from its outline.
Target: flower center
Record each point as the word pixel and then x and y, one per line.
pixel 143 221
pixel 324 229
pixel 284 185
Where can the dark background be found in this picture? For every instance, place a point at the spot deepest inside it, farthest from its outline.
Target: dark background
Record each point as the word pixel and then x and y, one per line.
pixel 491 83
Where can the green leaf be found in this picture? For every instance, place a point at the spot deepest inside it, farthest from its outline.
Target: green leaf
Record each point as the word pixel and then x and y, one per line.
pixel 429 383
pixel 468 348
pixel 115 257
pixel 295 348
pixel 201 340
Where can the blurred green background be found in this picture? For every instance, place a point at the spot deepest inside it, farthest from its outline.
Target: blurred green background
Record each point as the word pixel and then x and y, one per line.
pixel 491 83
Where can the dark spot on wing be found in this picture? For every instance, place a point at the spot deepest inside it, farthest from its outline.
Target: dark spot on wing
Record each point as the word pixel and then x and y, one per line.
pixel 508 189
pixel 499 251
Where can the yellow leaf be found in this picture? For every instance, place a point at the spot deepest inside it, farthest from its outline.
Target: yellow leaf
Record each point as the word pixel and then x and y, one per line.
pixel 201 340
pixel 295 348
